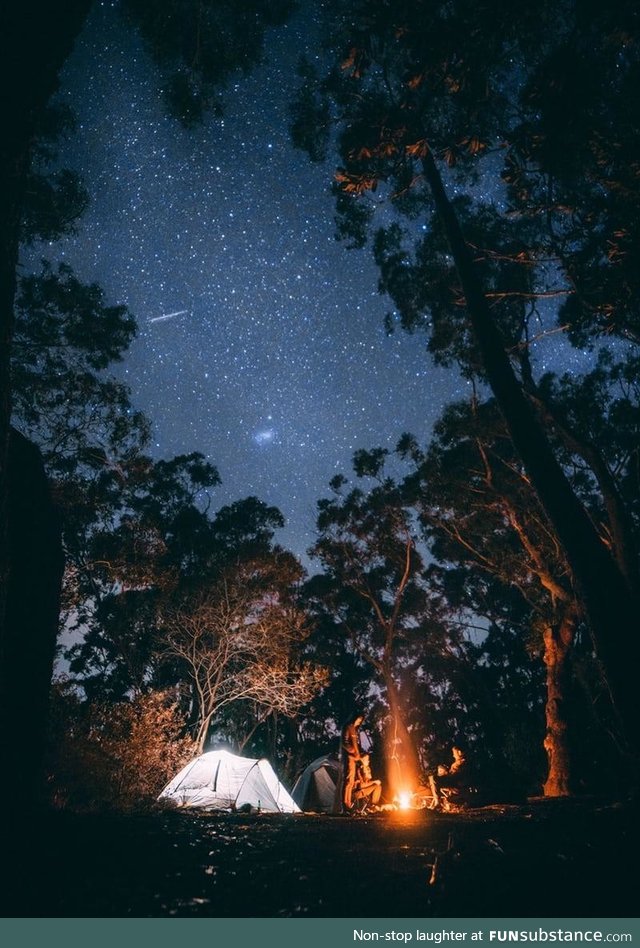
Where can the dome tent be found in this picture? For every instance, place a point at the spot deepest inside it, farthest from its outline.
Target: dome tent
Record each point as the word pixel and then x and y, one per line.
pixel 317 788
pixel 219 780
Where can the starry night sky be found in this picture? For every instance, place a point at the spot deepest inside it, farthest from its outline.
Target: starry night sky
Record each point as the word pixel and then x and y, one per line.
pixel 261 339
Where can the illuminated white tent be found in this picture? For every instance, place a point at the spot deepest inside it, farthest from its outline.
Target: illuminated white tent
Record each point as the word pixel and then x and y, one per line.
pixel 219 780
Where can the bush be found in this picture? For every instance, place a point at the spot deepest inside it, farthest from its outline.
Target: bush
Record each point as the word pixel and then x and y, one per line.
pixel 113 756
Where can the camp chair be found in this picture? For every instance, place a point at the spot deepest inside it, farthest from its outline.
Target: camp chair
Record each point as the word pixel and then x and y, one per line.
pixel 361 803
pixel 426 797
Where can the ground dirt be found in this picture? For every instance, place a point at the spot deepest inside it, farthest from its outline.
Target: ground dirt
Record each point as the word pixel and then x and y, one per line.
pixel 544 859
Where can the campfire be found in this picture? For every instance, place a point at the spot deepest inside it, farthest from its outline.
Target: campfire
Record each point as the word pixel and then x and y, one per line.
pixel 404 800
pixel 407 787
pixel 423 796
pixel 420 799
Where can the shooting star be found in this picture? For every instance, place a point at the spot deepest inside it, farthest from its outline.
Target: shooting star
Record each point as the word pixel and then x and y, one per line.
pixel 158 319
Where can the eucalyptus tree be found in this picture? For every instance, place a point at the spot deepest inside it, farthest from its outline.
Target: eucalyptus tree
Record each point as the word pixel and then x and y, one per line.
pixel 56 357
pixel 426 97
pixel 149 533
pixel 479 511
pixel 199 45
pixel 239 640
pixel 373 590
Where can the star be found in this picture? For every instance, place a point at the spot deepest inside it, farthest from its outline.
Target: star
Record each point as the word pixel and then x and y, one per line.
pixel 243 235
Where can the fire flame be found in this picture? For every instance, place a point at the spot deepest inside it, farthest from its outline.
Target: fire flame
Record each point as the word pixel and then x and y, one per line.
pixel 404 800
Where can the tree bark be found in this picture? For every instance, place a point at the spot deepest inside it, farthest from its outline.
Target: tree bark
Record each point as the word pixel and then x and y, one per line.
pixel 558 639
pixel 610 607
pixel 203 733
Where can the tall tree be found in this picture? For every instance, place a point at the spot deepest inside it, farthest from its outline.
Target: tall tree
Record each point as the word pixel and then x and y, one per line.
pixel 53 201
pixel 372 585
pixel 30 550
pixel 423 85
pixel 204 43
pixel 147 535
pixel 479 511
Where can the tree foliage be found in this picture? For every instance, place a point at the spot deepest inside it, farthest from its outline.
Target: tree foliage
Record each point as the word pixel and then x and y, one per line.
pixel 374 593
pixel 426 97
pixel 200 46
pixel 241 641
pixel 113 756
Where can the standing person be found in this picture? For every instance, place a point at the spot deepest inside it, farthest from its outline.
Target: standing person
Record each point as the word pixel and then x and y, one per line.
pixel 350 753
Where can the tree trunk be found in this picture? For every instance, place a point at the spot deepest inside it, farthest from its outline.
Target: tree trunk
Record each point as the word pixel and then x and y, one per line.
pixel 36 36
pixel 558 639
pixel 610 607
pixel 31 628
pixel 203 733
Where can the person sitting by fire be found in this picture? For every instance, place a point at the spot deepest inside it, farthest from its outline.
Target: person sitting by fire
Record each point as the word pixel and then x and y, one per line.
pixel 451 779
pixel 365 787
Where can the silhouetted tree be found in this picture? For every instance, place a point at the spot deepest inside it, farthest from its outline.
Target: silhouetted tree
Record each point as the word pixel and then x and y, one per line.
pixel 373 588
pixel 479 511
pixel 421 87
pixel 199 44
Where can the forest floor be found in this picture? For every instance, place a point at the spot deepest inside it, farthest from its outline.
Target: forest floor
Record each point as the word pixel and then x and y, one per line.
pixel 548 858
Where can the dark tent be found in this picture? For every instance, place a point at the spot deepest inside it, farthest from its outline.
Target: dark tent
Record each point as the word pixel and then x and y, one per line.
pixel 317 788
